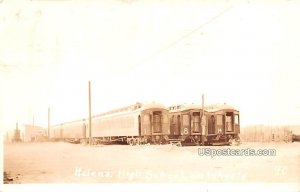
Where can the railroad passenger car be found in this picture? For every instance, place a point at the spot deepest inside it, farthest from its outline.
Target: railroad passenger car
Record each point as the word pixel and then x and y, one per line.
pixel 188 124
pixel 136 124
pixel 223 124
pixel 74 131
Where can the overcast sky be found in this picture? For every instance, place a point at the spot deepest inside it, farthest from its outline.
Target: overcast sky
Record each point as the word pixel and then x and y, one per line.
pixel 244 53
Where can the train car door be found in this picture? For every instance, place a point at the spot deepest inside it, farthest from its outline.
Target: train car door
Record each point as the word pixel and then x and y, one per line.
pixel 195 122
pixel 157 121
pixel 211 125
pixel 186 127
pixel 175 127
pixel 229 122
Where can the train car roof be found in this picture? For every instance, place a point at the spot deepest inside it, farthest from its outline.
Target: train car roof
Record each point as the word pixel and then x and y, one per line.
pixel 69 122
pixel 145 106
pixel 219 107
pixel 135 107
pixel 183 107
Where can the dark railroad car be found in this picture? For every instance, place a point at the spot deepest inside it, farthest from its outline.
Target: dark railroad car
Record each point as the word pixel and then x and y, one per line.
pixel 223 124
pixel 188 124
pixel 295 138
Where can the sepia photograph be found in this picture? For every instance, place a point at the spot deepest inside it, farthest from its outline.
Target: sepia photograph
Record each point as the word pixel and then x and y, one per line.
pixel 140 95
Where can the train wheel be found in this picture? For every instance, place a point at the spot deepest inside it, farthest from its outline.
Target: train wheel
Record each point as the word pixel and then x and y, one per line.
pixel 134 141
pixel 131 142
pixel 145 141
pixel 139 141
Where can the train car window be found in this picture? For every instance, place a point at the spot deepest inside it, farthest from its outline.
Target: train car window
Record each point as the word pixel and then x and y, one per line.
pixel 228 120
pixel 186 120
pixel 196 122
pixel 156 118
pixel 236 119
pixel 219 119
pixel 196 119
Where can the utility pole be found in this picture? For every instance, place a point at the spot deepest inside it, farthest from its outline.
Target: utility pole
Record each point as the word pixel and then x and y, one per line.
pixel 203 104
pixel 90 115
pixel 203 123
pixel 7 138
pixel 32 122
pixel 48 123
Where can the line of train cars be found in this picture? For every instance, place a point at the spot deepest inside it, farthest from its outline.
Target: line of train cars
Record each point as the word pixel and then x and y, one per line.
pixel 153 123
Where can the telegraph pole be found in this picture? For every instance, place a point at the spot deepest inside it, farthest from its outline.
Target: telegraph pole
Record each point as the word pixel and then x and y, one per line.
pixel 203 122
pixel 33 122
pixel 203 104
pixel 90 115
pixel 48 123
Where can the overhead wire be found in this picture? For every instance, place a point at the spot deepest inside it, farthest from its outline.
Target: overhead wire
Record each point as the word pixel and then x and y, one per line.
pixel 175 42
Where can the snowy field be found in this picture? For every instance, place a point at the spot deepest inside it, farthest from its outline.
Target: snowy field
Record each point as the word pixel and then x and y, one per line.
pixel 60 162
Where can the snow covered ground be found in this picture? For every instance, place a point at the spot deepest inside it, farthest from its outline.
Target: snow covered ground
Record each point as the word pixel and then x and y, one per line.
pixel 60 162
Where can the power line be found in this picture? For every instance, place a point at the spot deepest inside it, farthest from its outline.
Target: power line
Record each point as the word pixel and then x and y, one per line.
pixel 173 43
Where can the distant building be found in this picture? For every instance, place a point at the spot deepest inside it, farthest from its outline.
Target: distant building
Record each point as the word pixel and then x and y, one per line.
pixel 34 133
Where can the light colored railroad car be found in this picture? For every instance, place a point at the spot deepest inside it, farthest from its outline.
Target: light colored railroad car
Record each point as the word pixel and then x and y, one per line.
pixel 136 124
pixel 74 131
pixel 223 124
pixel 56 132
pixel 188 123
